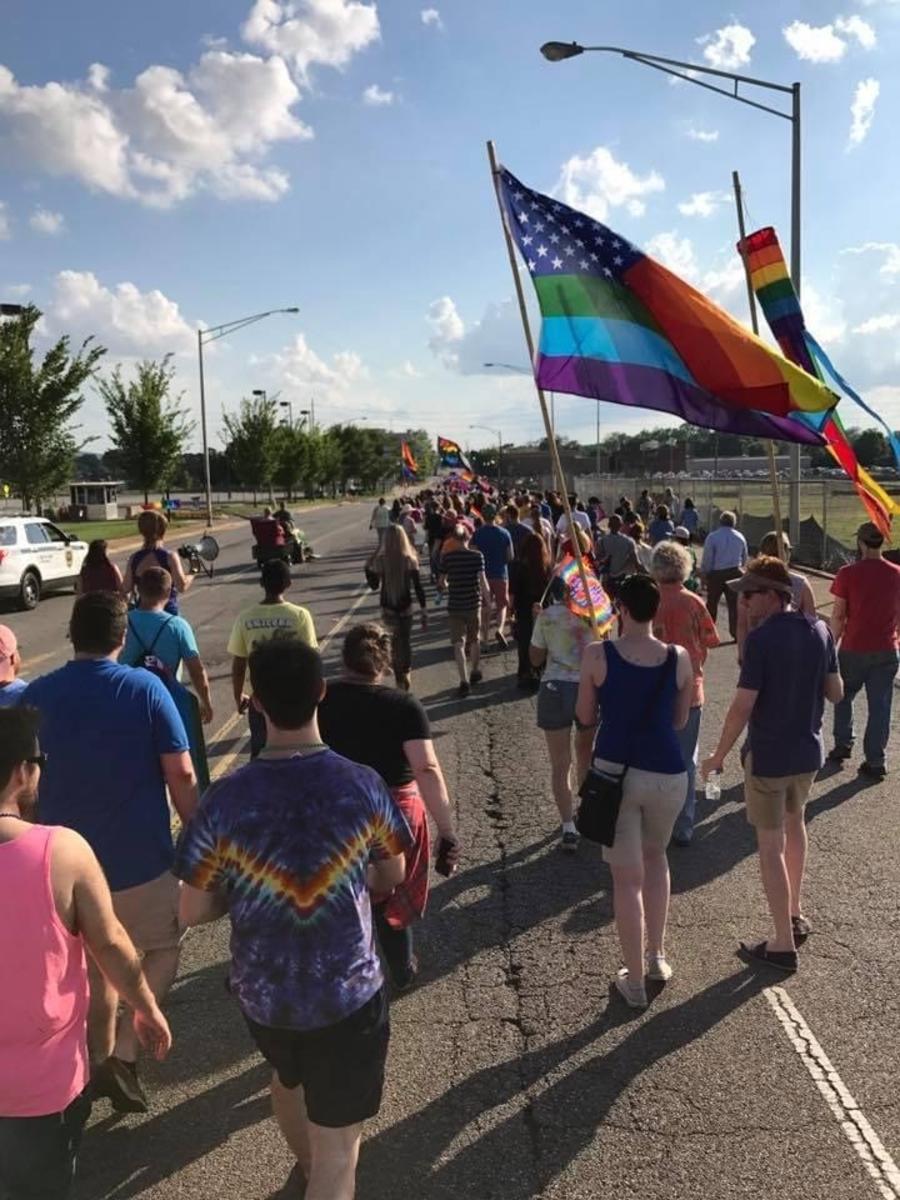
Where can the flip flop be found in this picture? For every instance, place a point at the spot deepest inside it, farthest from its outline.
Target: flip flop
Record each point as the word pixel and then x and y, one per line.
pixel 802 929
pixel 781 960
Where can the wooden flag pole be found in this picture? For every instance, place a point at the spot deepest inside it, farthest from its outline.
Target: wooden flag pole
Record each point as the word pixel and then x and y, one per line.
pixel 542 399
pixel 754 323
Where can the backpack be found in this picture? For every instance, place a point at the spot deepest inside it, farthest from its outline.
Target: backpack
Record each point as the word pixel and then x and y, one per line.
pixel 148 661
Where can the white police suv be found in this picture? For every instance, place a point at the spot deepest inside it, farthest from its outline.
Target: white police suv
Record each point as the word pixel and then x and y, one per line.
pixel 35 558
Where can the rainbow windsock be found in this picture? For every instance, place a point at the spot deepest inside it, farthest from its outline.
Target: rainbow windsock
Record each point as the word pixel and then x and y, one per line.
pixel 620 327
pixel 410 466
pixel 578 601
pixel 781 307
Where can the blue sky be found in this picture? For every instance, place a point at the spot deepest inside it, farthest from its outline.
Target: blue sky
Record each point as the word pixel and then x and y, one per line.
pixel 170 165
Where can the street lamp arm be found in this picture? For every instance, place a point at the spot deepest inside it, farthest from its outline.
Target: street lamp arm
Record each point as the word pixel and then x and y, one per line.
pixel 699 68
pixel 732 94
pixel 213 332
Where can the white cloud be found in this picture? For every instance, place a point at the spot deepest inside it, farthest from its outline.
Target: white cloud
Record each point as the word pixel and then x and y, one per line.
pixel 409 370
pixel 44 221
pixel 447 329
pixel 825 43
pixel 298 367
pixel 5 229
pixel 16 289
pixel 122 318
pixel 377 97
pixel 862 110
pixel 599 182
pixel 431 16
pixel 729 47
pixel 676 253
pixel 878 324
pixel 310 32
pixel 702 204
pixel 703 135
pixel 824 315
pixel 166 137
pixel 889 251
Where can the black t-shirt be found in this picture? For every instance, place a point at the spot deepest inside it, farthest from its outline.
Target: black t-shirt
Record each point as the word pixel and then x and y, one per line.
pixel 369 723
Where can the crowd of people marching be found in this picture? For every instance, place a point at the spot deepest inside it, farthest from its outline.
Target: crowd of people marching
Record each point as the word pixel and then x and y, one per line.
pixel 319 850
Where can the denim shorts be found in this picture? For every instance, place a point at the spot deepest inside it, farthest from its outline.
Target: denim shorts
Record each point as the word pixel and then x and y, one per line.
pixel 556 704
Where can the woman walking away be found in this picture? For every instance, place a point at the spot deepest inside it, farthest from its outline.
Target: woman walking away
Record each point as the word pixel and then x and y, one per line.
pixel 529 575
pixel 557 644
pixel 395 566
pixel 644 690
pixel 152 526
pixel 682 620
pixel 98 571
pixel 388 731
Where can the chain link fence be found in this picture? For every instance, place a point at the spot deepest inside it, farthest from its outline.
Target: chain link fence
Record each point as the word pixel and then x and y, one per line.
pixel 830 510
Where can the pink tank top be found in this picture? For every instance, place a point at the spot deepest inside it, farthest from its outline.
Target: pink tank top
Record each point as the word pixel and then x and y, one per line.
pixel 44 995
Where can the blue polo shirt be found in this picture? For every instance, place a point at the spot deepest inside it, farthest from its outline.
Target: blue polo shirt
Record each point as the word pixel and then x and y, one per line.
pixel 103 729
pixel 496 545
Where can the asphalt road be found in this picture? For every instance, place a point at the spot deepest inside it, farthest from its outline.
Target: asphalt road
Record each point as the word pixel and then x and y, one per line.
pixel 513 1073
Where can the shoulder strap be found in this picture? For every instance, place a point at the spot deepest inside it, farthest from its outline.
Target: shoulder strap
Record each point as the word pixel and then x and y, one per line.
pixel 148 649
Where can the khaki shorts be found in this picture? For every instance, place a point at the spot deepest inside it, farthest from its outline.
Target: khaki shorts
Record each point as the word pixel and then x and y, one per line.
pixel 651 803
pixel 464 626
pixel 769 800
pixel 149 913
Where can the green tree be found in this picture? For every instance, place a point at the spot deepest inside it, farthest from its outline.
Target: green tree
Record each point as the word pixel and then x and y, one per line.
pixel 291 450
pixel 252 442
pixel 37 403
pixel 871 447
pixel 147 425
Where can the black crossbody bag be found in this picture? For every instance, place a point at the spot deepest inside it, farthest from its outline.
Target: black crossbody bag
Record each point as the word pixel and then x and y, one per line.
pixel 601 792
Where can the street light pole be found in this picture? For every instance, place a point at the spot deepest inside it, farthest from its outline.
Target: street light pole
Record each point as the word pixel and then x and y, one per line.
pixel 559 51
pixel 212 334
pixel 499 436
pixel 290 407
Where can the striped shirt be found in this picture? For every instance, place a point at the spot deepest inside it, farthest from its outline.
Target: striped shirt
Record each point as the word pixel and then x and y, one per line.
pixel 463 569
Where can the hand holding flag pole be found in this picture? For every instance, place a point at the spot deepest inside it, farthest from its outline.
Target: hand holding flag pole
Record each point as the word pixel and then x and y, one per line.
pixel 545 413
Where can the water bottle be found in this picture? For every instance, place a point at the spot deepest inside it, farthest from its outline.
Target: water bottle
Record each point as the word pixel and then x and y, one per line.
pixel 714 785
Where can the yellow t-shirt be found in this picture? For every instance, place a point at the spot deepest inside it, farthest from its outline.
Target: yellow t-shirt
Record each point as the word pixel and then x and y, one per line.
pixel 262 621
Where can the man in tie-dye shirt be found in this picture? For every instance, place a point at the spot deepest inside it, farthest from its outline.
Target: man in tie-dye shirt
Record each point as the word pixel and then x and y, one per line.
pixel 288 847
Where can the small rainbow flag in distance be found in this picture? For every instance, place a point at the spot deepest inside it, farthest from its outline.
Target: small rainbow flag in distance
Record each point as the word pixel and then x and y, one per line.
pixel 409 461
pixel 577 601
pixel 620 327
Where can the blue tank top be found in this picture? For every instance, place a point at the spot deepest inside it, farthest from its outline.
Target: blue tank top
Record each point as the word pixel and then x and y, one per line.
pixel 636 709
pixel 162 560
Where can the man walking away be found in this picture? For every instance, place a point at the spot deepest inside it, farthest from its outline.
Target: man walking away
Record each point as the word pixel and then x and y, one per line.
pixel 273 616
pixel 496 545
pixel 463 570
pixel 381 518
pixel 789 669
pixel 115 743
pixel 53 883
pixel 865 620
pixel 616 554
pixel 11 686
pixel 289 847
pixel 724 557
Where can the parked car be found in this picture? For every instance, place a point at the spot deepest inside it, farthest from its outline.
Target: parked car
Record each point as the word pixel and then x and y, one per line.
pixel 35 558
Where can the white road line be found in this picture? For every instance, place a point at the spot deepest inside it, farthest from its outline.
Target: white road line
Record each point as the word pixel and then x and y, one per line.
pixel 224 764
pixel 859 1133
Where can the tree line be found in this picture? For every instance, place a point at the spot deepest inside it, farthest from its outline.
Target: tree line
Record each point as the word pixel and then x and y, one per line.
pixel 149 429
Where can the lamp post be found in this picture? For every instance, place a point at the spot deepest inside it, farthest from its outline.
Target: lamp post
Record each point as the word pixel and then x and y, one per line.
pixel 212 334
pixel 523 371
pixel 499 437
pixel 558 51
pixel 290 407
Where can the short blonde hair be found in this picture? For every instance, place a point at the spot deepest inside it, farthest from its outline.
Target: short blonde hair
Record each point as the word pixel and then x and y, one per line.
pixel 152 525
pixel 769 544
pixel 671 563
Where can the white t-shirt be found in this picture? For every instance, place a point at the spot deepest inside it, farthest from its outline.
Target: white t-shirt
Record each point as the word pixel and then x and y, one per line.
pixel 564 636
pixel 381 517
pixel 580 518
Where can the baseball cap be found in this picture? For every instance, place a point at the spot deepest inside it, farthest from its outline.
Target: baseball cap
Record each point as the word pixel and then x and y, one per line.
pixel 8 648
pixel 681 534
pixel 869 534
pixel 489 512
pixel 771 576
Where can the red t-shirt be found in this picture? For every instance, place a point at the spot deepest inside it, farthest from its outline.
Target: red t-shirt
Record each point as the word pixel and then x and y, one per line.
pixel 871 590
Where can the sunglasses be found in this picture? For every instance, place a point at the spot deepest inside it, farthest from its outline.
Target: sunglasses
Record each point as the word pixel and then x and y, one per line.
pixel 37 760
pixel 748 592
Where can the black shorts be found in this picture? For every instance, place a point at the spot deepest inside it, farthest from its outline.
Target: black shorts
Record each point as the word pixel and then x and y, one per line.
pixel 37 1154
pixel 340 1067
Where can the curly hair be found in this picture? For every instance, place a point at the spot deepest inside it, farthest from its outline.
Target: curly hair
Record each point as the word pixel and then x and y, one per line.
pixel 367 650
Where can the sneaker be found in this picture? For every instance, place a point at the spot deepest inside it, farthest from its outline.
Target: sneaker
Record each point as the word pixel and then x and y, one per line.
pixel 403 983
pixel 476 677
pixel 659 968
pixel 872 771
pixel 569 841
pixel 633 994
pixel 118 1081
pixel 840 753
pixel 463 690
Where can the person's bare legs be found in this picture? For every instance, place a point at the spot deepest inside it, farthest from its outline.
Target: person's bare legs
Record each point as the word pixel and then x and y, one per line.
pixel 475 653
pixel 101 1021
pixel 795 857
pixel 584 745
pixel 559 747
pixel 628 906
pixel 160 968
pixel 656 898
pixel 289 1107
pixel 334 1153
pixel 773 869
pixel 462 665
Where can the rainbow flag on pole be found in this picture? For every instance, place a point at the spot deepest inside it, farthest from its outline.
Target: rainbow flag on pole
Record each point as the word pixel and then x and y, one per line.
pixel 781 307
pixel 408 461
pixel 620 327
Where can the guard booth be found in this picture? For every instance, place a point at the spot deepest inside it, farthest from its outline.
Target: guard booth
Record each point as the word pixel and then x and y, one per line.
pixel 94 501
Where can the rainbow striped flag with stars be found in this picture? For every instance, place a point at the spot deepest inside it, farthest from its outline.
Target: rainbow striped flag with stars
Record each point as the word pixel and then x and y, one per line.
pixel 620 327
pixel 781 307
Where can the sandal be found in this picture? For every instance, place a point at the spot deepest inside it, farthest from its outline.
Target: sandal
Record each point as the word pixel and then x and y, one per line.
pixel 802 929
pixel 781 960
